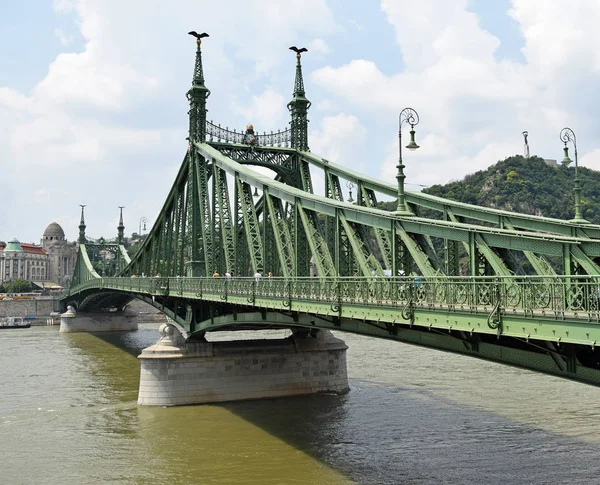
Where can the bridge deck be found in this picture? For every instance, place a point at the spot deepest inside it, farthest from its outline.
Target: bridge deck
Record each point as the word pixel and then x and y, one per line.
pixel 556 309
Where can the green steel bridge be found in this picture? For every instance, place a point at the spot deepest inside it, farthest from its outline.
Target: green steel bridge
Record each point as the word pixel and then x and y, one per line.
pixel 512 288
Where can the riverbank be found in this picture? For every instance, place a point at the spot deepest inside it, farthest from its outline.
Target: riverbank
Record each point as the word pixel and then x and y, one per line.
pixel 35 307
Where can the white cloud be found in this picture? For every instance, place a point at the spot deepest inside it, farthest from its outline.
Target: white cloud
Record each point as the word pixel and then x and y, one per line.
pixel 320 46
pixel 265 110
pixel 106 125
pixel 472 106
pixel 341 139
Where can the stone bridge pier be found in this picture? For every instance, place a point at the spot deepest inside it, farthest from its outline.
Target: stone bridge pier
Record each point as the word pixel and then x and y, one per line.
pixel 176 372
pixel 72 321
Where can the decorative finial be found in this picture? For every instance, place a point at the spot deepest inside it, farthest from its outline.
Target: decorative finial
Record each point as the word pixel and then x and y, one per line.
pixel 198 36
pixel 121 226
pixel 298 51
pixel 81 239
pixel 299 106
pixel 197 95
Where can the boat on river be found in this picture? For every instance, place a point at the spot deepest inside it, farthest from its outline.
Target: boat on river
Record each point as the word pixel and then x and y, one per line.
pixel 13 322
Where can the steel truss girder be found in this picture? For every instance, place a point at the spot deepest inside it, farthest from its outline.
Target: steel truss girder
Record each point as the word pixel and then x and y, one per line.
pixel 381 236
pixel 460 209
pixel 205 233
pixel 280 160
pixel 539 263
pixel 223 220
pixel 481 246
pixel 251 225
pixel 283 239
pixel 321 255
pixel 419 257
pixel 367 263
pixel 502 238
pixel 305 177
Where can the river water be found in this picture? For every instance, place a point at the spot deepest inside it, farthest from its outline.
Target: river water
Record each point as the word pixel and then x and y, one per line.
pixel 68 415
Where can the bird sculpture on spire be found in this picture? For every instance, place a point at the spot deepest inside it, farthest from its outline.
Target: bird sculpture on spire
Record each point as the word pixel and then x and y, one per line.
pixel 198 36
pixel 298 51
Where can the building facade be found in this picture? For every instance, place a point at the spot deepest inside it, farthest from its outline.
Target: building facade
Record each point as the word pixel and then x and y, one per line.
pixel 48 265
pixel 62 254
pixel 22 261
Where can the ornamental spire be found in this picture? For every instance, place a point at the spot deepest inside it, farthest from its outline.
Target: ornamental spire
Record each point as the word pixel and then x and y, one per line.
pixel 197 95
pixel 299 106
pixel 121 226
pixel 81 239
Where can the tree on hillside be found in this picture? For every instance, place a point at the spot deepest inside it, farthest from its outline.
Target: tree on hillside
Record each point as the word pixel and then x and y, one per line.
pixel 529 186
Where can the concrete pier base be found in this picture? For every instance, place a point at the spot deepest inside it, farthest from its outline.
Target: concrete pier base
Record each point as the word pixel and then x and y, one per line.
pixel 175 373
pixel 70 321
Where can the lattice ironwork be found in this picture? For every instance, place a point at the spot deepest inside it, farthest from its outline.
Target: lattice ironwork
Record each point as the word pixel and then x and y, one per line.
pixel 251 226
pixel 281 233
pixel 215 133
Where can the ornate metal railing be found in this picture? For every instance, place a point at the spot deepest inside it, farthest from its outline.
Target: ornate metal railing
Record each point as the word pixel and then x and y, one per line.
pixel 557 297
pixel 216 133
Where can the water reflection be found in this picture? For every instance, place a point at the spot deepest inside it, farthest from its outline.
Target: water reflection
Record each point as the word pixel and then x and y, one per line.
pixel 68 415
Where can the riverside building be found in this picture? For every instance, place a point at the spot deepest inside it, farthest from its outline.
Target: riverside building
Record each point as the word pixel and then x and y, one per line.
pixel 49 265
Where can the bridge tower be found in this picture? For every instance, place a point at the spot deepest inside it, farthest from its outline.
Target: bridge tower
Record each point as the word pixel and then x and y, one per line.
pixel 299 107
pixel 81 239
pixel 197 96
pixel 121 226
pixel 199 213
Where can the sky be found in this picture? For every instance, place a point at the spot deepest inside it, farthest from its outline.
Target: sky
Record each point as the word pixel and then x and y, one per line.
pixel 93 108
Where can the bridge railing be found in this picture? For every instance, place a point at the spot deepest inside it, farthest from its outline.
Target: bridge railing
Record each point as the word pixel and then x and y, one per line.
pixel 558 296
pixel 217 133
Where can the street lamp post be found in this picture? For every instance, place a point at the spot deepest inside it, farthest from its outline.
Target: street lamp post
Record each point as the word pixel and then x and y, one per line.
pixel 143 220
pixel 567 135
pixel 410 116
pixel 350 186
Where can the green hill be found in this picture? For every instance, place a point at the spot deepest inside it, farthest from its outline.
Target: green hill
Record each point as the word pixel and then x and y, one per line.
pixel 529 186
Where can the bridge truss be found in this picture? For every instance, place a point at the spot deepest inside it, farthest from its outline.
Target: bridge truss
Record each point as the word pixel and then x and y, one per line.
pixel 510 287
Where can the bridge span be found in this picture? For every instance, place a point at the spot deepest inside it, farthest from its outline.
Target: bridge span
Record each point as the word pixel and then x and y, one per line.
pixel 513 288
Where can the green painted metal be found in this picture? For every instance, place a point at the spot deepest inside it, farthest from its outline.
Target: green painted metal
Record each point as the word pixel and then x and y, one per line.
pixel 539 242
pixel 197 96
pixel 366 264
pixel 568 135
pixel 321 255
pixel 556 309
pixel 468 211
pixel 283 239
pixel 382 237
pixel 81 239
pixel 409 116
pixel 251 227
pixel 222 211
pixel 546 321
pixel 298 108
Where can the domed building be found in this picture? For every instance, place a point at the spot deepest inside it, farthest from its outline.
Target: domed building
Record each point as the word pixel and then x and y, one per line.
pixel 61 254
pixel 49 265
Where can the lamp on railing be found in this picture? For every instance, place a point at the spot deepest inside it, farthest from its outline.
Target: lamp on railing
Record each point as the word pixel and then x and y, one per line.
pixel 410 116
pixel 143 220
pixel 568 135
pixel 255 195
pixel 350 186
